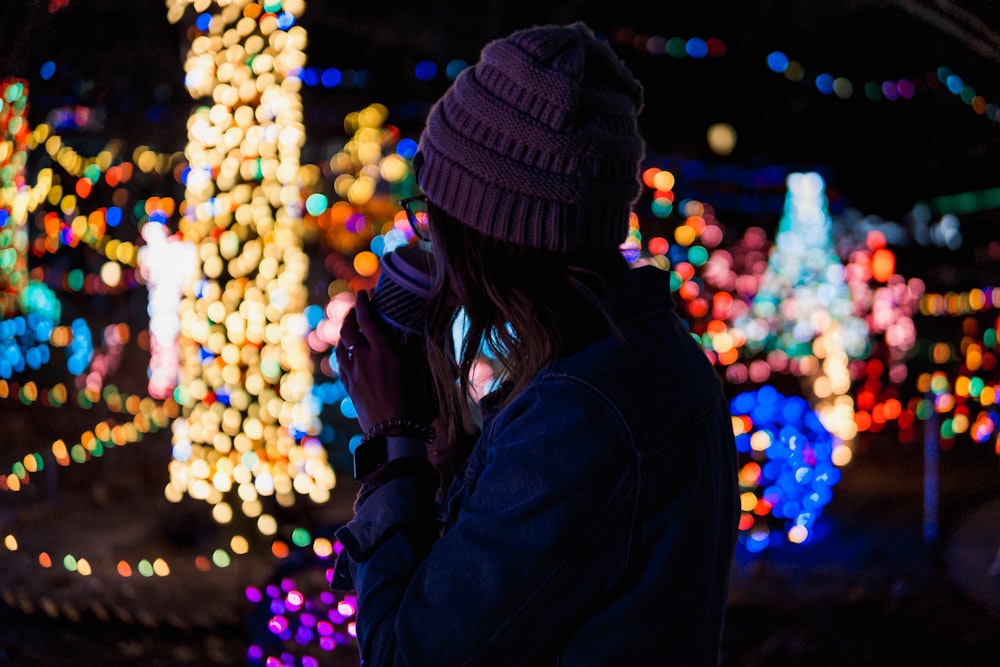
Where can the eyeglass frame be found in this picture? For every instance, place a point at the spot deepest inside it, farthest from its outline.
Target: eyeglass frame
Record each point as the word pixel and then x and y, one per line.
pixel 411 217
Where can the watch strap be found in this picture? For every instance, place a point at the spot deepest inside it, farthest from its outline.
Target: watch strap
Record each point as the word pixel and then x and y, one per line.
pixel 379 450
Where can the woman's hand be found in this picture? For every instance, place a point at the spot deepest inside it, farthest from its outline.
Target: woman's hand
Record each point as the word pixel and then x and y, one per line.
pixel 385 374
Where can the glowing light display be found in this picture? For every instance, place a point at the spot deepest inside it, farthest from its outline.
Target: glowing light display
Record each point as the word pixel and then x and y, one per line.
pixel 370 173
pixel 304 616
pixel 167 264
pixel 13 191
pixel 30 310
pixel 803 308
pixel 841 323
pixel 303 468
pixel 245 378
pixel 788 478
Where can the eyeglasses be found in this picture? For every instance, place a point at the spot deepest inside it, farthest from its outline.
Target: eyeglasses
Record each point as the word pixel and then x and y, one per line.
pixel 416 213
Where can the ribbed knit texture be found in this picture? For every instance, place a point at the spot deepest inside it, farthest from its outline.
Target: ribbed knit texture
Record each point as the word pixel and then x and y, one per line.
pixel 538 143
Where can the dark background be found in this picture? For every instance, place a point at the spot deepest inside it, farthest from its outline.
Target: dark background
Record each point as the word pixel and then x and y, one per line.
pixel 122 57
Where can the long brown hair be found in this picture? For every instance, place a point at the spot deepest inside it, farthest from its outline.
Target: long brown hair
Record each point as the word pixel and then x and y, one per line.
pixel 526 306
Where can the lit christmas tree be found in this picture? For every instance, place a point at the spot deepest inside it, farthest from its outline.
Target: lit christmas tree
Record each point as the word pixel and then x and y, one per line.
pixel 803 308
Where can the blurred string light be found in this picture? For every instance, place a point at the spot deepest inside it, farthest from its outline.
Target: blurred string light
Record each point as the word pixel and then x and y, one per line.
pixel 885 299
pixel 146 416
pixel 13 191
pixel 305 618
pixel 959 390
pixel 887 89
pixel 152 216
pixel 24 338
pixel 31 311
pixel 247 428
pixel 842 87
pixel 687 251
pixel 337 78
pixel 361 223
pixel 880 298
pixel 962 376
pixel 960 394
pixel 298 542
pixel 860 373
pixel 788 473
pixel 967 202
pixel 27 333
pixel 64 225
pixel 675 47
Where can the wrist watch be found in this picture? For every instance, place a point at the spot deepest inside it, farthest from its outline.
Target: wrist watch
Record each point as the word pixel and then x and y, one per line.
pixel 379 450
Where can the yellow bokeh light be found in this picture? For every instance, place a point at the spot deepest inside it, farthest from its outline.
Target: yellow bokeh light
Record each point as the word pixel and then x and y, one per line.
pixel 222 513
pixel 393 168
pixel 798 534
pixel 173 494
pixel 111 274
pixel 267 525
pixel 721 138
pixel 160 567
pixel 323 547
pixel 239 545
pixel 684 235
pixel 664 180
pixel 960 423
pixel 760 440
pixel 841 455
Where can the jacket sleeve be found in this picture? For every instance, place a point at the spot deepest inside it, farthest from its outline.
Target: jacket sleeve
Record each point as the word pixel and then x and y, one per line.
pixel 542 530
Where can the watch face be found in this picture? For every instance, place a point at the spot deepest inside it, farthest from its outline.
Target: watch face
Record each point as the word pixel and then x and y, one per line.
pixel 368 456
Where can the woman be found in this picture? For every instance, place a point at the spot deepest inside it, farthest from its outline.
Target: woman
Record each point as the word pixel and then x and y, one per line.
pixel 595 518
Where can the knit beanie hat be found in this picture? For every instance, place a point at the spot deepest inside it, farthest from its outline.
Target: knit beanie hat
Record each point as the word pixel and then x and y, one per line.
pixel 538 143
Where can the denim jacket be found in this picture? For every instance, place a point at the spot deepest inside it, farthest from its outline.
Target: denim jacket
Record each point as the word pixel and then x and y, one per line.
pixel 594 522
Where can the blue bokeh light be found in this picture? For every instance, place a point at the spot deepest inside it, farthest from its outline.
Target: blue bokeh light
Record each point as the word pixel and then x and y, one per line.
pixel 777 61
pixel 824 83
pixel 406 148
pixel 696 47
pixel 331 77
pixel 425 70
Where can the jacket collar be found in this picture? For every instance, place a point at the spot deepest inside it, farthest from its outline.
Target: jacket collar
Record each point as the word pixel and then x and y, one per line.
pixel 635 293
pixel 639 292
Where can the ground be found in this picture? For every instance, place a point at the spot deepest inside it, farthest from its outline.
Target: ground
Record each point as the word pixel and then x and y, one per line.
pixel 869 589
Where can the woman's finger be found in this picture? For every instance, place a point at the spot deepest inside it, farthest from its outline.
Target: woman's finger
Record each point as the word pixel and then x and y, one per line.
pixel 345 362
pixel 369 321
pixel 350 331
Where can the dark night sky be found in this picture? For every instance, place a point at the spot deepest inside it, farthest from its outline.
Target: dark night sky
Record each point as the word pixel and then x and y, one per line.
pixel 882 157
